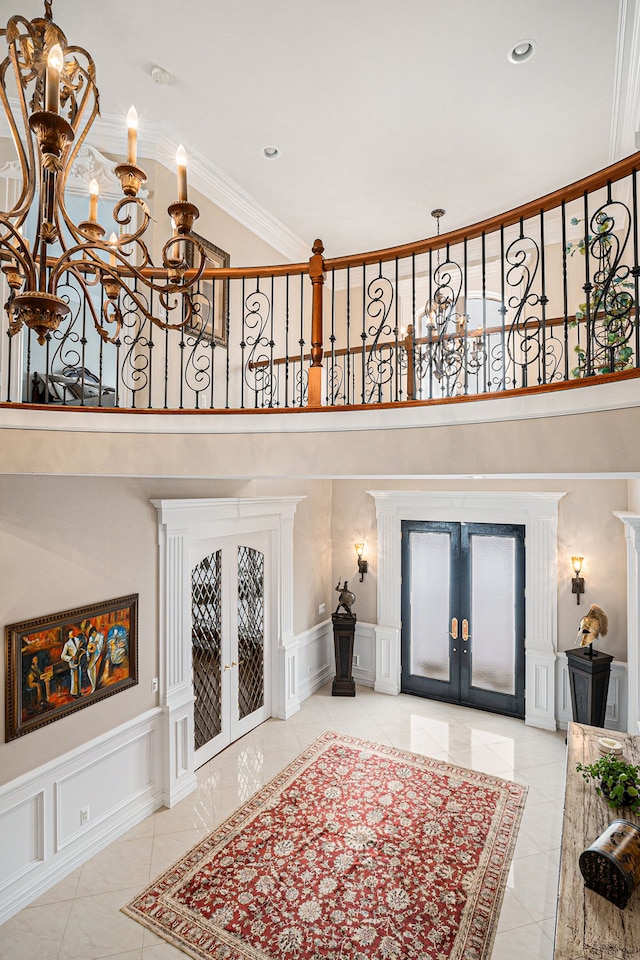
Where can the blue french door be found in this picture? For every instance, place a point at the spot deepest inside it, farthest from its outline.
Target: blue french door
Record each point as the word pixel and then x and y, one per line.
pixel 463 613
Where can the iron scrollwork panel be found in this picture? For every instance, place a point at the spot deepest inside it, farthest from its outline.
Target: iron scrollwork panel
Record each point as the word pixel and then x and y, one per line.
pixel 206 645
pixel 379 368
pixel 251 627
pixel 610 306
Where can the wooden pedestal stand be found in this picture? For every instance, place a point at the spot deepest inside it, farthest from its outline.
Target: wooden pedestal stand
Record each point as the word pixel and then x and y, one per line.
pixel 344 628
pixel 589 683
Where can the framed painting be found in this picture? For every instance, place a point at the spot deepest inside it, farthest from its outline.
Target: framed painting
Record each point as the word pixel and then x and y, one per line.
pixel 67 661
pixel 209 323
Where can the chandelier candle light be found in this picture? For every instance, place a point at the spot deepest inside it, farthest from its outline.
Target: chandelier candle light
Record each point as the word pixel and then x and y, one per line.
pixel 49 94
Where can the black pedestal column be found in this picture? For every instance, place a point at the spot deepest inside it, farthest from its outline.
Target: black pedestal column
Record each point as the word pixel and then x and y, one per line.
pixel 589 683
pixel 344 627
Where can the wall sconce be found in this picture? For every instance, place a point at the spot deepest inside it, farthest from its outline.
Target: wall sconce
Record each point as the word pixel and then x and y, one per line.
pixel 363 565
pixel 577 582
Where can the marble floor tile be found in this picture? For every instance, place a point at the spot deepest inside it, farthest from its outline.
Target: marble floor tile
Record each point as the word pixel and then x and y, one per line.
pixel 123 864
pixel 65 890
pixel 96 928
pixel 35 933
pixel 80 917
pixel 528 942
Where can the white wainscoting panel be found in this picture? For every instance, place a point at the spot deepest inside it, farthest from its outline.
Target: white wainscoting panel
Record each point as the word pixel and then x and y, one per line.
pixel 116 778
pixel 22 832
pixel 616 713
pixel 315 658
pixel 364 654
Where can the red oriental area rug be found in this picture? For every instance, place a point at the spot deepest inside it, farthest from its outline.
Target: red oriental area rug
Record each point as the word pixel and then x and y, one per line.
pixel 353 851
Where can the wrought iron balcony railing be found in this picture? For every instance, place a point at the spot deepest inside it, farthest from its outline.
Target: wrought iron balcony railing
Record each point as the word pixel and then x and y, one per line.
pixel 543 295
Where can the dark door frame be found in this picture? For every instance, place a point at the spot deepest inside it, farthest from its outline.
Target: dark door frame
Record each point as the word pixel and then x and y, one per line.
pixel 459 688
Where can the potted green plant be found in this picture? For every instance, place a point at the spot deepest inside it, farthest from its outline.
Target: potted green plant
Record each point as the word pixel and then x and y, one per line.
pixel 619 781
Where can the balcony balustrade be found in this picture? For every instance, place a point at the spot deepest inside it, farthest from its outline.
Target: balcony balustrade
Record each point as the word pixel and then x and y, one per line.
pixel 539 298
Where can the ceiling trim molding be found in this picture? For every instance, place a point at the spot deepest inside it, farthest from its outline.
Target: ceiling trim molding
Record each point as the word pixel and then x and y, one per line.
pixel 109 135
pixel 625 110
pixel 206 177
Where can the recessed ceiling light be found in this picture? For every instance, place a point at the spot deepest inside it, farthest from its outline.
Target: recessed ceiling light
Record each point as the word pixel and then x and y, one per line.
pixel 521 51
pixel 271 153
pixel 160 76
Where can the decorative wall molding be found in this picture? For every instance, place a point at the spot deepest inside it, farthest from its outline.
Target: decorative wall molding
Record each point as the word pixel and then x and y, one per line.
pixel 315 658
pixel 42 839
pixel 539 514
pixel 616 713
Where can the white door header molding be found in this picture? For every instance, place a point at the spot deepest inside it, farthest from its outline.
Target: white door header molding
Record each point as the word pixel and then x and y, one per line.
pixel 224 508
pixel 477 506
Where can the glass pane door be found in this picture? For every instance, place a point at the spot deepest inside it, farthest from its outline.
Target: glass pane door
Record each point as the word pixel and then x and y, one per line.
pixel 206 647
pixel 463 613
pixel 430 588
pixel 250 631
pixel 230 633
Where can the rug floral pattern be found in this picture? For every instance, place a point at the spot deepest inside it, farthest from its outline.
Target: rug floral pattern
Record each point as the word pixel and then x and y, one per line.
pixel 354 851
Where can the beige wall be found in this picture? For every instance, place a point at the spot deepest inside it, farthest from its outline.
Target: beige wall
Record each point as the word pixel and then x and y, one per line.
pixel 567 445
pixel 70 542
pixel 586 526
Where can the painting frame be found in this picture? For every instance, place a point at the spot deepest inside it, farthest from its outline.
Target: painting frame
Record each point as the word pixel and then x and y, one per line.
pixel 210 324
pixel 63 662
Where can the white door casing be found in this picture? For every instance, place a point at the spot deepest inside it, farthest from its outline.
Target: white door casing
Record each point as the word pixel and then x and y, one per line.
pixel 539 514
pixel 180 523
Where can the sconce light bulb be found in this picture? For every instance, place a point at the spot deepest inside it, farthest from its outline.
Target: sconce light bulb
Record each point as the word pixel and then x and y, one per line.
pixel 181 156
pixel 132 118
pixel 360 549
pixel 577 564
pixel 94 187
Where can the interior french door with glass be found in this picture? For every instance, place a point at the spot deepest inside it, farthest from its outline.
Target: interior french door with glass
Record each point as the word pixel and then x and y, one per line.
pixel 463 613
pixel 230 640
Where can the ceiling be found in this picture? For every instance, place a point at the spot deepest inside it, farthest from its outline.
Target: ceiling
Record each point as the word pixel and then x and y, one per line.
pixel 381 111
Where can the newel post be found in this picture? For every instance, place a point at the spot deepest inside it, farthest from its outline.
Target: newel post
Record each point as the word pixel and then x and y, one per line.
pixel 409 346
pixel 316 275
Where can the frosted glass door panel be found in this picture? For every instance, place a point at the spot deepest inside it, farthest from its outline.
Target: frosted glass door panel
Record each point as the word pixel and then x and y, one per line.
pixel 430 605
pixel 493 613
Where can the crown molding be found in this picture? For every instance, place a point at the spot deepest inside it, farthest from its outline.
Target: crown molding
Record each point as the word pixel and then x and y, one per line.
pixel 625 111
pixel 109 135
pixel 157 141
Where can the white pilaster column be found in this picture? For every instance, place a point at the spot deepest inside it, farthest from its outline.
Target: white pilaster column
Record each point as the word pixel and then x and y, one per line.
pixel 389 625
pixel 632 533
pixel 176 687
pixel 541 619
pixel 287 698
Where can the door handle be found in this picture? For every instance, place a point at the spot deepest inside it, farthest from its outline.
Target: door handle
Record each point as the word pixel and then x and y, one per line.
pixel 454 628
pixel 227 666
pixel 465 631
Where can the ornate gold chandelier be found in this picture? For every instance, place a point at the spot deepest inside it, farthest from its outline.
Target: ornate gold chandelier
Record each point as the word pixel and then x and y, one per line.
pixel 50 98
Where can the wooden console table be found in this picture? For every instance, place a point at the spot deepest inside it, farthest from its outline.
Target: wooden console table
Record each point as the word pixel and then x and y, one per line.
pixel 588 927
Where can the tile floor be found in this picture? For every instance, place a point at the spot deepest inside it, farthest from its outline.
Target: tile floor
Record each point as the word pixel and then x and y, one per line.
pixel 80 919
